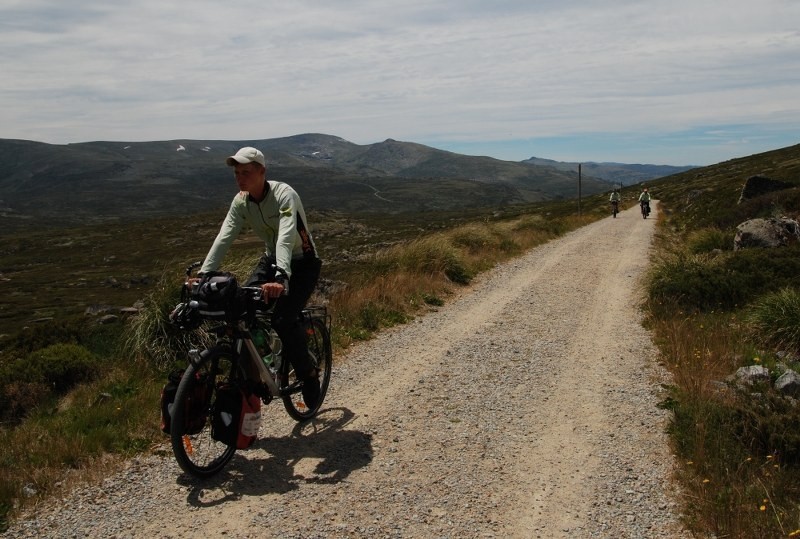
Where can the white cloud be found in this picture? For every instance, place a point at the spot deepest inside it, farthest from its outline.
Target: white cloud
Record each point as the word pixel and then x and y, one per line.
pixel 412 70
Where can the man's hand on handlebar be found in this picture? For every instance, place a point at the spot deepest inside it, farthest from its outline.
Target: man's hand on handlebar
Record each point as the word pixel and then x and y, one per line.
pixel 272 290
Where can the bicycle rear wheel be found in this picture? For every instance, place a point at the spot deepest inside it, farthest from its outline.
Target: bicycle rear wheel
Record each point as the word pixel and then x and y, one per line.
pixel 319 350
pixel 197 453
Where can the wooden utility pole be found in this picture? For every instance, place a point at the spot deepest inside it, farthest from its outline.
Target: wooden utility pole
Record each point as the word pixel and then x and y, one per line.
pixel 579 189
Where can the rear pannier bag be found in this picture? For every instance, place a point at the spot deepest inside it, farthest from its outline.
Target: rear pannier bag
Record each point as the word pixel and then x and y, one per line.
pixel 195 414
pixel 235 416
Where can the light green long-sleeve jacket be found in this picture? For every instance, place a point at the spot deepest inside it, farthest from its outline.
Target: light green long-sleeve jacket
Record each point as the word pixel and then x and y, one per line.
pixel 279 220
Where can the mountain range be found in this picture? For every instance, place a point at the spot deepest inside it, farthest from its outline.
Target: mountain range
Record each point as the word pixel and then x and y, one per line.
pixel 95 182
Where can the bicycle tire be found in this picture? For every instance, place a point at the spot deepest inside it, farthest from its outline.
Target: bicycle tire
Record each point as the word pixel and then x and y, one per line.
pixel 197 453
pixel 319 349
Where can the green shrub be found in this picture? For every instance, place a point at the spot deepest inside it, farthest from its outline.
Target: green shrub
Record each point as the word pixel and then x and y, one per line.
pixel 703 282
pixel 704 432
pixel 768 424
pixel 775 319
pixel 34 380
pixel 434 300
pixel 474 238
pixel 707 240
pixel 768 270
pixel 35 337
pixel 18 398
pixel 60 366
pixel 696 282
pixel 535 222
pixel 373 316
pixel 426 256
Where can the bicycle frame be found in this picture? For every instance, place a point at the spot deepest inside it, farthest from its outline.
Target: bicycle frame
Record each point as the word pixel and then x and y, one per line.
pixel 240 340
pixel 255 358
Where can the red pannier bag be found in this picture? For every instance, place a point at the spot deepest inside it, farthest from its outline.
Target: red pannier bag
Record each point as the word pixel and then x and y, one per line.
pixel 235 416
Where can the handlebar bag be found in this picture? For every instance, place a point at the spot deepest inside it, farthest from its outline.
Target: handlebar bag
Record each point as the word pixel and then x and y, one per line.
pixel 218 296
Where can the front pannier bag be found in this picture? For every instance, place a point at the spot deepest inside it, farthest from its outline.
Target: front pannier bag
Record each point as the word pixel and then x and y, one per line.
pixel 194 418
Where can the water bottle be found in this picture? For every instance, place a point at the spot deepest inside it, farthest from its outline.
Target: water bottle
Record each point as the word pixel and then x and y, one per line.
pixel 276 346
pixel 269 361
pixel 275 342
pixel 260 342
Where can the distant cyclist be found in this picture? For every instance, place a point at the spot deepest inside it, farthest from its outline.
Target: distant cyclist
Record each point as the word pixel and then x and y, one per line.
pixel 614 199
pixel 644 201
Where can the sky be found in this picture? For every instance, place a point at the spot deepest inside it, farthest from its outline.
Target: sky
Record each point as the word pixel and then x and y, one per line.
pixel 683 82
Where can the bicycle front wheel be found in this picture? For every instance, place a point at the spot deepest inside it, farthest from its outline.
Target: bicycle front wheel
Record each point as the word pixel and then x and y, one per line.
pixel 318 340
pixel 197 453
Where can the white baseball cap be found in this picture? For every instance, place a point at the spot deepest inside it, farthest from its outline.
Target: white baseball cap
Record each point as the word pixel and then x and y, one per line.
pixel 246 155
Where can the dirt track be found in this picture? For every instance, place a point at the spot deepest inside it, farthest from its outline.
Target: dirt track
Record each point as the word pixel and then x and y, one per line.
pixel 525 408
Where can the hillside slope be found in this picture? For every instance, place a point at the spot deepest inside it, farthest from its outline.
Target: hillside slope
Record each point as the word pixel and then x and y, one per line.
pixel 618 173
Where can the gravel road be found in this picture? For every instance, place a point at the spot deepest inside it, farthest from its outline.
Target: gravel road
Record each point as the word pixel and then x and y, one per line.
pixel 524 408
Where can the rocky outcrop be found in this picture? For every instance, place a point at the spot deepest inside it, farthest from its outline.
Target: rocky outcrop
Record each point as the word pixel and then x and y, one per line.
pixel 787 384
pixel 766 233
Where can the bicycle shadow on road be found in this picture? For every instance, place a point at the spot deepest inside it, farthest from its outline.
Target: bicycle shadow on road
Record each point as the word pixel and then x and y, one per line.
pixel 320 450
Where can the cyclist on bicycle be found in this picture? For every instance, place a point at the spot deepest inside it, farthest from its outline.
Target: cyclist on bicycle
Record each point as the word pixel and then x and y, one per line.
pixel 290 266
pixel 644 199
pixel 614 200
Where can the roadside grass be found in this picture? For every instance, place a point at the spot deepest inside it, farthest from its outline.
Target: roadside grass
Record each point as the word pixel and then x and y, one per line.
pixel 390 286
pixel 713 310
pixel 66 441
pixel 738 449
pixel 57 440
